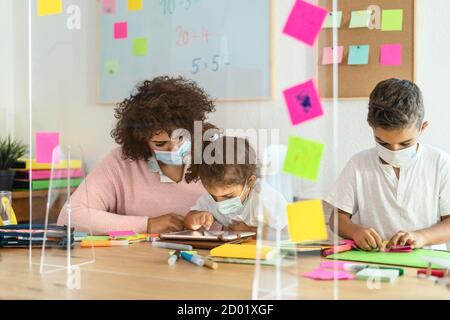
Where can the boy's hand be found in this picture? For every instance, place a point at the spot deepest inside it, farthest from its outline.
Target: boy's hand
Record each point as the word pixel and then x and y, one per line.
pixel 367 239
pixel 196 220
pixel 415 239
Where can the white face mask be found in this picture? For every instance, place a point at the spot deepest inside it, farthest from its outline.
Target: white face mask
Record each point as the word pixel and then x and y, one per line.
pixel 397 159
pixel 230 206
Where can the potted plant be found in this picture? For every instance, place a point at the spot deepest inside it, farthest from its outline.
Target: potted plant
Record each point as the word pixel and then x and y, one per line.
pixel 10 152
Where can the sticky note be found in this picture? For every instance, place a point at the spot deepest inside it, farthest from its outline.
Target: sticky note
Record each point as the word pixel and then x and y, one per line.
pixel 121 233
pixel 328 55
pixel 305 22
pixel 108 6
pixel 360 19
pixel 392 20
pixel 303 158
pixel 134 5
pixel 391 55
pixel 111 67
pixel 331 16
pixel 49 7
pixel 303 102
pixel 306 221
pixel 358 54
pixel 325 274
pixel 47 143
pixel 140 47
pixel 120 30
pixel 97 238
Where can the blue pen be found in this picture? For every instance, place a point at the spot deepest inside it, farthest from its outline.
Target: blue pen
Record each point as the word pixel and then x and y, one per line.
pixel 193 259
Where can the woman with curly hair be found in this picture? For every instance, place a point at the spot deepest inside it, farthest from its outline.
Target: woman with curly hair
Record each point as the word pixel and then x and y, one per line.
pixel 140 185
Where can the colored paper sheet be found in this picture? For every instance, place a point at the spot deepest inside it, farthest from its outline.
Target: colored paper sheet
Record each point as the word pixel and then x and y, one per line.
pixel 330 20
pixel 391 55
pixel 360 19
pixel 325 274
pixel 140 47
pixel 328 55
pixel 392 20
pixel 111 67
pixel 121 233
pixel 49 7
pixel 306 221
pixel 120 30
pixel 358 54
pixel 242 251
pixel 109 6
pixel 97 238
pixel 303 102
pixel 305 22
pixel 303 158
pixel 409 259
pixel 47 143
pixel 134 5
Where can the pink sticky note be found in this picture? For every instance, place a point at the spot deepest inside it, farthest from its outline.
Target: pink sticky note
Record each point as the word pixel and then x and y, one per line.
pixel 108 6
pixel 121 233
pixel 328 55
pixel 120 30
pixel 324 274
pixel 332 265
pixel 391 55
pixel 46 144
pixel 305 22
pixel 303 102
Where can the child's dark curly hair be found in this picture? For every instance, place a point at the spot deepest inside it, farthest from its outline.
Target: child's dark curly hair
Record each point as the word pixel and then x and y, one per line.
pixel 232 161
pixel 161 104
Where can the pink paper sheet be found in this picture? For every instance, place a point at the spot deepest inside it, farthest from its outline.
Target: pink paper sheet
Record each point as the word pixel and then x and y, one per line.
pixel 325 274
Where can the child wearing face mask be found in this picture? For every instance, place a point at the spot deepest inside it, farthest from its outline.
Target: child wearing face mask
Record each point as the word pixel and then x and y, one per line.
pixel 236 198
pixel 397 193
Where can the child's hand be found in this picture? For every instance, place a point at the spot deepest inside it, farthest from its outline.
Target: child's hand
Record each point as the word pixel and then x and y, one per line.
pixel 240 226
pixel 367 239
pixel 196 220
pixel 415 239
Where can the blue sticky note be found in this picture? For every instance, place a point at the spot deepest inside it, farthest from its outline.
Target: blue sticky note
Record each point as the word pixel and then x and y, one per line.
pixel 358 54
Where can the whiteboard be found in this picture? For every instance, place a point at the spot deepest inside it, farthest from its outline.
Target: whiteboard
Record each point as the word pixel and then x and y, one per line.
pixel 223 45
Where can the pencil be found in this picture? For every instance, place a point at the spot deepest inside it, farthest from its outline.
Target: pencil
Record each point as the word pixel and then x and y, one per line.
pixel 211 264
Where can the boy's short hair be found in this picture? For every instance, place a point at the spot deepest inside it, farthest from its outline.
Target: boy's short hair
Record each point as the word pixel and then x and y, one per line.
pixel 395 104
pixel 233 161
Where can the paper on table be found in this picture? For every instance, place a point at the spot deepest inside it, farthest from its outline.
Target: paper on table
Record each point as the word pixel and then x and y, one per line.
pixel 244 251
pixel 360 19
pixel 329 22
pixel 49 7
pixel 121 233
pixel 306 221
pixel 47 143
pixel 134 5
pixel 97 238
pixel 328 55
pixel 140 47
pixel 326 274
pixel 120 30
pixel 392 20
pixel 305 22
pixel 391 55
pixel 109 6
pixel 358 54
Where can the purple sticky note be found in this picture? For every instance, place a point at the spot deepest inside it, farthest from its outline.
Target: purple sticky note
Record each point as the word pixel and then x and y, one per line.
pixel 305 22
pixel 46 142
pixel 303 102
pixel 109 6
pixel 120 30
pixel 391 55
pixel 328 55
pixel 325 274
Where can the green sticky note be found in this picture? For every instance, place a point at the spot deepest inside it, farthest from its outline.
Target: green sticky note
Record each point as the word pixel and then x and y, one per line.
pixel 303 158
pixel 97 238
pixel 111 67
pixel 140 46
pixel 358 54
pixel 360 19
pixel 331 18
pixel 392 20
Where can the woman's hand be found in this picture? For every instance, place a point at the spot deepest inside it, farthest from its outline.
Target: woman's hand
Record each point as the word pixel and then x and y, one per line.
pixel 194 220
pixel 415 239
pixel 166 223
pixel 367 239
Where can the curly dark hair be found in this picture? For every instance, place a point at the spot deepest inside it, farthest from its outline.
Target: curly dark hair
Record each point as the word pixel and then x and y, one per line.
pixel 161 104
pixel 233 161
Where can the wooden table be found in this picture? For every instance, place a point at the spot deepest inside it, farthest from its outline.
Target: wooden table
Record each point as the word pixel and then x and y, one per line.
pixel 141 272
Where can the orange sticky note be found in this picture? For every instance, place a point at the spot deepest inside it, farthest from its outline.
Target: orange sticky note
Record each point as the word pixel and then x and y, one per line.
pixel 306 221
pixel 49 7
pixel 134 5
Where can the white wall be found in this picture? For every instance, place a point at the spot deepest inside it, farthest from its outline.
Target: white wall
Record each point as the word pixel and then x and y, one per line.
pixel 65 80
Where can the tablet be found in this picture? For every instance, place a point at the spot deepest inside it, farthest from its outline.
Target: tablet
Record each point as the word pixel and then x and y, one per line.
pixel 206 235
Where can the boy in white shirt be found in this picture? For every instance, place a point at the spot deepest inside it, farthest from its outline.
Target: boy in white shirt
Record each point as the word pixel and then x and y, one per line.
pixel 399 190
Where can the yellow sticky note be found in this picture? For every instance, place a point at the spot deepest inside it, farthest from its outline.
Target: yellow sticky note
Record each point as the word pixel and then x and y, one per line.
pixel 306 221
pixel 48 7
pixel 242 251
pixel 134 5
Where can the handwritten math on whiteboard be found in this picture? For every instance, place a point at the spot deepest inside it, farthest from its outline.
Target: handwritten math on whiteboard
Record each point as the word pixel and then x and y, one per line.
pixel 223 45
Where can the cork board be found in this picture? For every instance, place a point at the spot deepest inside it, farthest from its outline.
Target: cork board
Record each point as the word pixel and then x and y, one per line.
pixel 357 81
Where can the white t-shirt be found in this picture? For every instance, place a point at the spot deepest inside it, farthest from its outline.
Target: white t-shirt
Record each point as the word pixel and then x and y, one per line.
pixel 371 192
pixel 263 200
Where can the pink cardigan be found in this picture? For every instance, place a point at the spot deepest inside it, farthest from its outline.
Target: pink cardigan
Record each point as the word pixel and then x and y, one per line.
pixel 122 194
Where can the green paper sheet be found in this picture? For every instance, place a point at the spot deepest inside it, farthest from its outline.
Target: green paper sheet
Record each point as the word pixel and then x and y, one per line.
pixel 392 20
pixel 140 47
pixel 410 259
